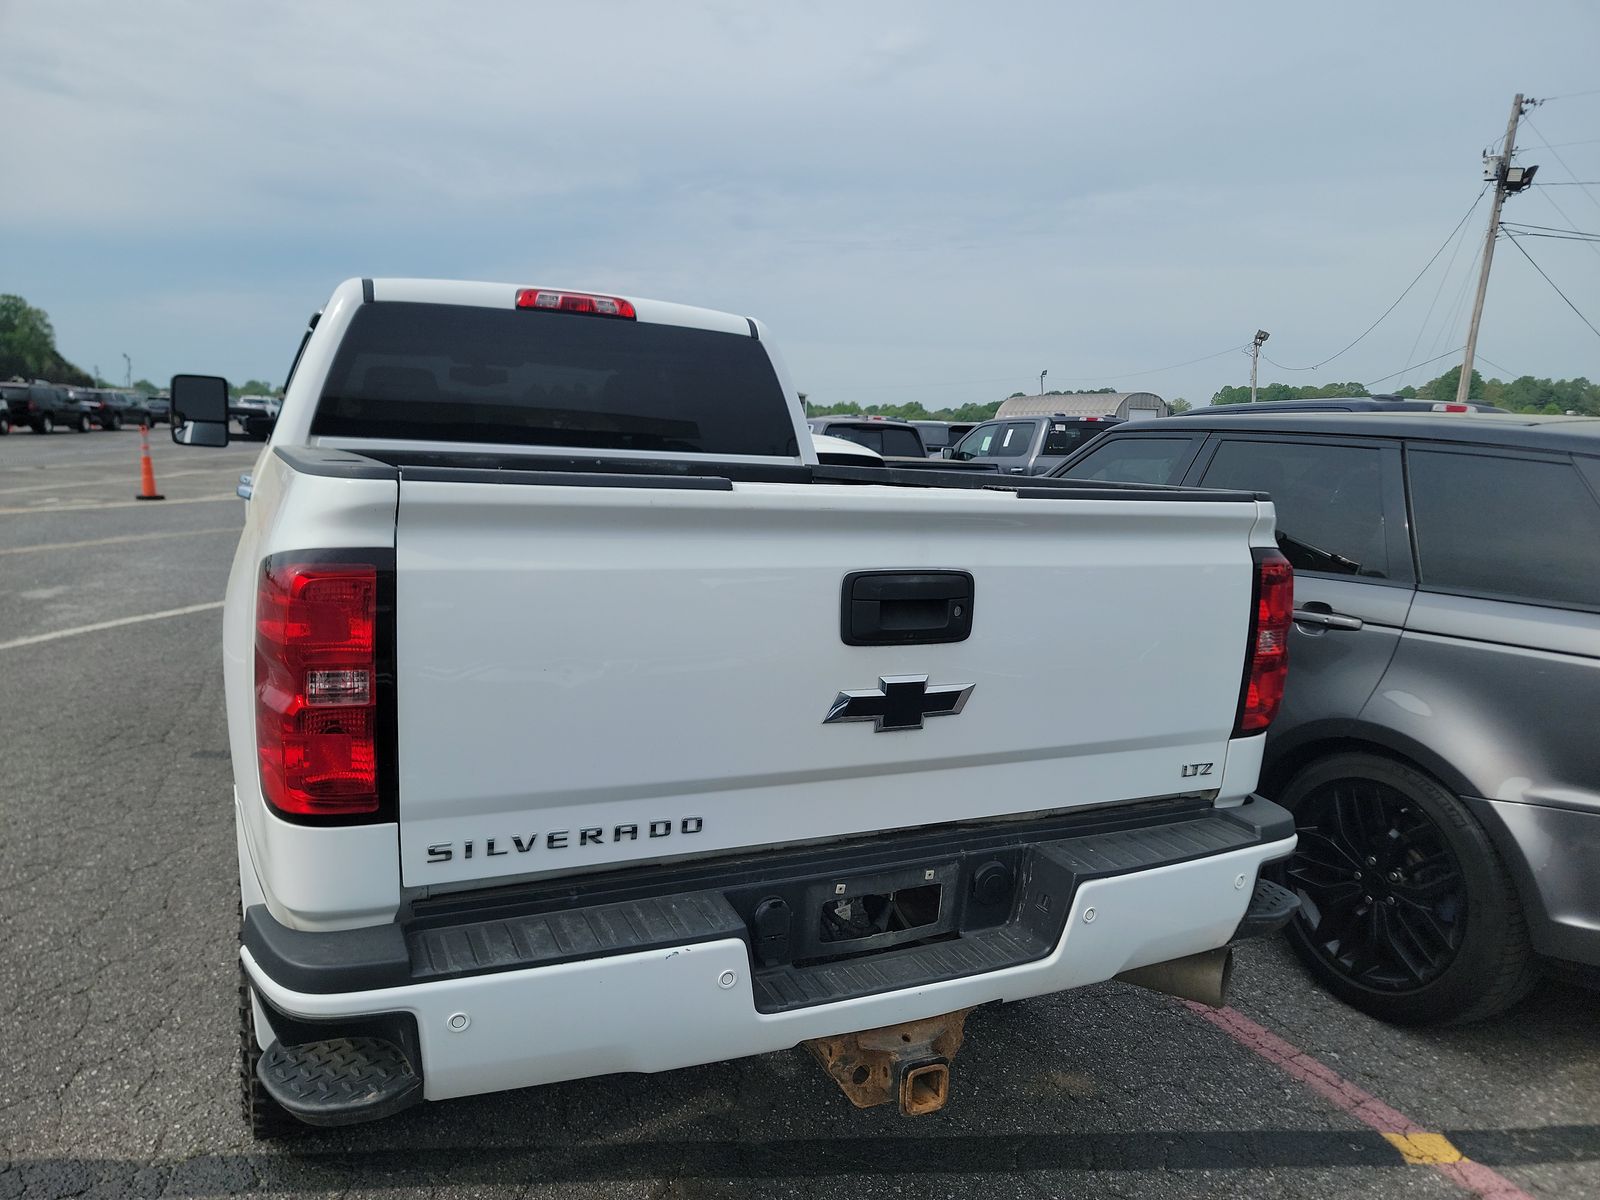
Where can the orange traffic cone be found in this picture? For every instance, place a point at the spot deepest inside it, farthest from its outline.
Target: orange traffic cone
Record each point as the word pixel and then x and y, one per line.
pixel 147 473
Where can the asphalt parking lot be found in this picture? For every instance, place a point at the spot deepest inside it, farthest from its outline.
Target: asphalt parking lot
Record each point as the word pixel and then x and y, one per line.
pixel 117 881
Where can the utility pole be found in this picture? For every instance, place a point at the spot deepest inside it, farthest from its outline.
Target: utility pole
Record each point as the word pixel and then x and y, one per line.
pixel 127 380
pixel 1507 180
pixel 1042 374
pixel 1255 353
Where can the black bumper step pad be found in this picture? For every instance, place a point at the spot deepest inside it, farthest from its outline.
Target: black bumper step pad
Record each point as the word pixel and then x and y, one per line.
pixel 340 1081
pixel 550 938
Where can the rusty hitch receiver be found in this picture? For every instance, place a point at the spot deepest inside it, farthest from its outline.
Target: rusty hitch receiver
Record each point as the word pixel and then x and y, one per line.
pixel 907 1063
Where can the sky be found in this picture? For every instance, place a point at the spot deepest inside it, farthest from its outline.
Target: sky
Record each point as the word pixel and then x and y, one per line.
pixel 925 201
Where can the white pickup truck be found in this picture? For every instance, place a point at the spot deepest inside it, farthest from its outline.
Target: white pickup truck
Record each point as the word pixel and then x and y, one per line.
pixel 583 722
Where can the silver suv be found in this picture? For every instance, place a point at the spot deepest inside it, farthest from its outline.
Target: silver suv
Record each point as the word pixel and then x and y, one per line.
pixel 1438 741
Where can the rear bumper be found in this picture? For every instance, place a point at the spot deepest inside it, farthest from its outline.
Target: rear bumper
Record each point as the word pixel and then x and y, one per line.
pixel 486 1021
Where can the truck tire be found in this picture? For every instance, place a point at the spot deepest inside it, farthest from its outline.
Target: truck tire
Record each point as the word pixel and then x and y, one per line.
pixel 116 421
pixel 264 1116
pixel 1407 913
pixel 84 424
pixel 47 424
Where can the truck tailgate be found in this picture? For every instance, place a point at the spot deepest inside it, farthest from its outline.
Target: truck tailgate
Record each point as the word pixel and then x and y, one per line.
pixel 593 675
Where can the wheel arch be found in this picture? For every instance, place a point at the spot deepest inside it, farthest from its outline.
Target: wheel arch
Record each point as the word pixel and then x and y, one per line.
pixel 1322 738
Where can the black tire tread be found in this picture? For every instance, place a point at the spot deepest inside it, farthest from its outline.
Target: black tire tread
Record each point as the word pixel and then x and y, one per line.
pixel 265 1117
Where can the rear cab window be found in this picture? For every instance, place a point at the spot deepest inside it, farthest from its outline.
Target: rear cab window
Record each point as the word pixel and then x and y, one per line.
pixel 460 373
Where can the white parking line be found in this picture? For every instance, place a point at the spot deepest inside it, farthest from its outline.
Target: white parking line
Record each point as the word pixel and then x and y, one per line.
pixel 99 625
pixel 111 541
pixel 77 508
pixel 62 485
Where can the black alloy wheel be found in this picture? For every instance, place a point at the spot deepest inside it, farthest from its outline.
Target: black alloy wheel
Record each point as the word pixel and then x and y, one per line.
pixel 1406 910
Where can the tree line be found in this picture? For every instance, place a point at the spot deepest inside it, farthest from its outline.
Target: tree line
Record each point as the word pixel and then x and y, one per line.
pixel 28 351
pixel 1525 394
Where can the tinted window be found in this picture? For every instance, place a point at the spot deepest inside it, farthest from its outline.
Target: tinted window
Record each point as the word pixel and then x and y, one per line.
pixel 1134 460
pixel 1013 440
pixel 977 443
pixel 1329 500
pixel 1506 527
pixel 1064 439
pixel 457 373
pixel 861 435
pixel 903 442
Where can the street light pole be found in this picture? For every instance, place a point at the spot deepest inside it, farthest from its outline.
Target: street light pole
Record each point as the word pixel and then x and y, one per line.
pixel 1042 374
pixel 128 365
pixel 1255 354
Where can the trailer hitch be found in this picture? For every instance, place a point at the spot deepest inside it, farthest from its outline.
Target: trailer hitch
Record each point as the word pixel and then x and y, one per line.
pixel 908 1063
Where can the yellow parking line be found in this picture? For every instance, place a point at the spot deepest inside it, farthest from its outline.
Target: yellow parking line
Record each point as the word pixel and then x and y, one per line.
pixel 1424 1149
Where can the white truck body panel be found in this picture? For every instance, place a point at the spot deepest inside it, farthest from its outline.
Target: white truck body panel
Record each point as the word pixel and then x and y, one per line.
pixel 709 652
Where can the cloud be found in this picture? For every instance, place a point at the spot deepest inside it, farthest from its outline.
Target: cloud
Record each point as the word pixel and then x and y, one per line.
pixel 915 195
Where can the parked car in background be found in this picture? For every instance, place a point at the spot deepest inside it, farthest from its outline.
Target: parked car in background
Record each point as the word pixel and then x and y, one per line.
pixel 892 439
pixel 256 415
pixel 8 393
pixel 45 407
pixel 1391 404
pixel 123 408
pixel 935 436
pixel 94 412
pixel 1436 741
pixel 1028 445
pixel 160 408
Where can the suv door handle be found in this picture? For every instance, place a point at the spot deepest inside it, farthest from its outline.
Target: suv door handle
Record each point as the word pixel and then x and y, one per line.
pixel 1326 618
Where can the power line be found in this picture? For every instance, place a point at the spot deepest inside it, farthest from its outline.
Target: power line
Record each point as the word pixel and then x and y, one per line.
pixel 1570 223
pixel 1579 142
pixel 1540 135
pixel 1495 365
pixel 1444 278
pixel 1550 229
pixel 1515 241
pixel 1068 379
pixel 1423 363
pixel 1400 297
pixel 1571 95
pixel 1583 183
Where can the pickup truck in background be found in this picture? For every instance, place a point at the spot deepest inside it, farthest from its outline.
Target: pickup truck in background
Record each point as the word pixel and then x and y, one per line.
pixel 1028 445
pixel 580 718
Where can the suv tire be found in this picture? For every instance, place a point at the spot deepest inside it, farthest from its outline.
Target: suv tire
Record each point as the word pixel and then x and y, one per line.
pixel 265 1117
pixel 116 421
pixel 47 424
pixel 84 424
pixel 1407 913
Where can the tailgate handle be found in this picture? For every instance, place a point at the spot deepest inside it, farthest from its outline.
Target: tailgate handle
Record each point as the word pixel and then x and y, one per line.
pixel 905 608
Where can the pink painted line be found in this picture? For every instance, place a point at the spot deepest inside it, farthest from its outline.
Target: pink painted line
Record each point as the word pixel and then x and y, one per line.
pixel 1473 1177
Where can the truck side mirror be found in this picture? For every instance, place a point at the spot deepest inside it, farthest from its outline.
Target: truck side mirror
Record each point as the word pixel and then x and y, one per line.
pixel 199 410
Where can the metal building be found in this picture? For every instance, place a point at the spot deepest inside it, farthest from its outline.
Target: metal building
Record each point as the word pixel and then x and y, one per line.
pixel 1130 406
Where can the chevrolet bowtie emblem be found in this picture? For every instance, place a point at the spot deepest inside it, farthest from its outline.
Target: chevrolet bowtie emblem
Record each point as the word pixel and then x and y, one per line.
pixel 899 702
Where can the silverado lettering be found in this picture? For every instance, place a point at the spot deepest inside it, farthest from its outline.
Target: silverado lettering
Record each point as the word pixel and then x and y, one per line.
pixel 557 839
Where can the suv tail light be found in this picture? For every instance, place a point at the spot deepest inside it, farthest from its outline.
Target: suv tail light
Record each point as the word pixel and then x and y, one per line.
pixel 1267 663
pixel 318 718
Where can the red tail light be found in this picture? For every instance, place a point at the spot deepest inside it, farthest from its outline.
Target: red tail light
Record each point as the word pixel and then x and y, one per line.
pixel 1267 668
pixel 316 687
pixel 576 302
